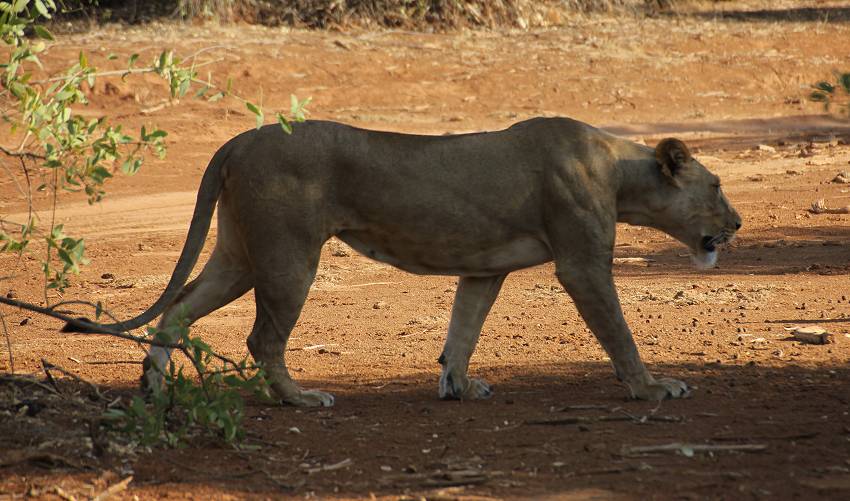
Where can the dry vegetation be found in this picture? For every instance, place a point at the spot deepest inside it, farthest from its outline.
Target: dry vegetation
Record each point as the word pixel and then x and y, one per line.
pixel 408 14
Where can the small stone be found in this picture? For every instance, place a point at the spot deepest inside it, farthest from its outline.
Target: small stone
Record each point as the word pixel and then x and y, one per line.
pixel 766 148
pixel 842 178
pixel 380 305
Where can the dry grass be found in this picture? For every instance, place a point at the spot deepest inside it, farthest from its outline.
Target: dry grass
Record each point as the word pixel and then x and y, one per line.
pixel 410 14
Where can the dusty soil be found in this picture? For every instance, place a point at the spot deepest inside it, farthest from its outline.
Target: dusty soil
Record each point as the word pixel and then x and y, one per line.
pixel 724 84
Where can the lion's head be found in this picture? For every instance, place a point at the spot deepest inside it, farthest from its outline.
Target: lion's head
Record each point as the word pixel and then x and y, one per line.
pixel 693 208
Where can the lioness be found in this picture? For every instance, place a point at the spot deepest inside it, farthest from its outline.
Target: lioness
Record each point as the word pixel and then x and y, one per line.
pixel 478 206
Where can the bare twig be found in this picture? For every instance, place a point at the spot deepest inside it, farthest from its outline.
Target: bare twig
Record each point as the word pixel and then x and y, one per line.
pixel 84 324
pixel 114 489
pixel 112 362
pixel 819 207
pixel 596 419
pixel 77 302
pixel 21 154
pixel 583 407
pixel 22 379
pixel 47 366
pixel 8 343
pixel 62 493
pixel 611 470
pixel 689 449
pixel 345 463
pixel 52 227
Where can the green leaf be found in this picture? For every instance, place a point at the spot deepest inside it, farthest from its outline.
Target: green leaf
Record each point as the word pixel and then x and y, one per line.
pixel 42 9
pixel 132 60
pixel 818 96
pixel 84 60
pixel 256 111
pixel 284 123
pixel 202 91
pixel 825 86
pixel 42 32
pixel 184 88
pixel 253 108
pixel 844 80
pixel 19 6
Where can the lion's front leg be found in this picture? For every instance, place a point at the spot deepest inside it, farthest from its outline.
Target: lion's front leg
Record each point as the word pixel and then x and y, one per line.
pixel 473 299
pixel 592 289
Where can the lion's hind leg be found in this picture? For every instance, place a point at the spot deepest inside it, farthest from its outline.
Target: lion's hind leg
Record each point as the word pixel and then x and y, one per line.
pixel 224 279
pixel 280 297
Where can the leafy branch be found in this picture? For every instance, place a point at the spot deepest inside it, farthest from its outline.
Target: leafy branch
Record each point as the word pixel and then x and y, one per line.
pixel 833 94
pixel 69 152
pixel 180 407
pixel 59 150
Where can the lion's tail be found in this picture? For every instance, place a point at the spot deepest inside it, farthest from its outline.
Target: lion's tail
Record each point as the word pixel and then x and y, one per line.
pixel 208 193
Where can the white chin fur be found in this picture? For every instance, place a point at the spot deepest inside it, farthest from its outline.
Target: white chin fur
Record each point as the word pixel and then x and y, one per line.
pixel 705 260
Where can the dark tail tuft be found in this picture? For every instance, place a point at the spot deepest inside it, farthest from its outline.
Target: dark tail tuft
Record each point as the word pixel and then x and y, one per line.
pixel 81 324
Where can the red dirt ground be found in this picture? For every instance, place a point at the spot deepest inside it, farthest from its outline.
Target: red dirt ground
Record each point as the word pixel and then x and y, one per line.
pixel 725 85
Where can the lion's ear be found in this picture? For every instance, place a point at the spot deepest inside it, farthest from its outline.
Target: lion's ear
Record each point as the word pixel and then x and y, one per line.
pixel 672 155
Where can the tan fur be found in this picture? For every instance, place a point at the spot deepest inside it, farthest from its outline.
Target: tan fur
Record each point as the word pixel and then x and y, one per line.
pixel 477 206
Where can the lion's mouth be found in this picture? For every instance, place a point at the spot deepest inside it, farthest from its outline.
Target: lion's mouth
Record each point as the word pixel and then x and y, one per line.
pixel 710 243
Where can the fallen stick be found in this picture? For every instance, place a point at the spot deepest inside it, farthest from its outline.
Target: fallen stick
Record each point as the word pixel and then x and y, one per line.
pixel 794 436
pixel 114 489
pixel 368 284
pixel 62 493
pixel 690 449
pixel 47 366
pixel 612 470
pixel 345 463
pixel 112 362
pixel 819 207
pixel 596 419
pixel 583 407
pixel 24 379
pixel 402 336
pixel 635 261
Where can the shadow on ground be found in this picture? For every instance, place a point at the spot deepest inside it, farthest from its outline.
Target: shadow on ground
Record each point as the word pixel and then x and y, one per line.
pixel 820 250
pixel 825 14
pixel 563 431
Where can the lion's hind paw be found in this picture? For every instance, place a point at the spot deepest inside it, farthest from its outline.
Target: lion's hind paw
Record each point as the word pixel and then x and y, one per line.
pixel 310 398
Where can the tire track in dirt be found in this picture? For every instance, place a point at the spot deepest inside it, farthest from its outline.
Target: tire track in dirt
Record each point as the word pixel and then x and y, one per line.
pixel 121 216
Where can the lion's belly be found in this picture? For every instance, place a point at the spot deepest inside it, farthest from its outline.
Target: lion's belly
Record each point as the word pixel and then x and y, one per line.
pixel 438 259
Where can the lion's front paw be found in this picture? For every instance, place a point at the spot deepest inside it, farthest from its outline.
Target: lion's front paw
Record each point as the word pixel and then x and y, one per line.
pixel 660 389
pixel 457 388
pixel 310 398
